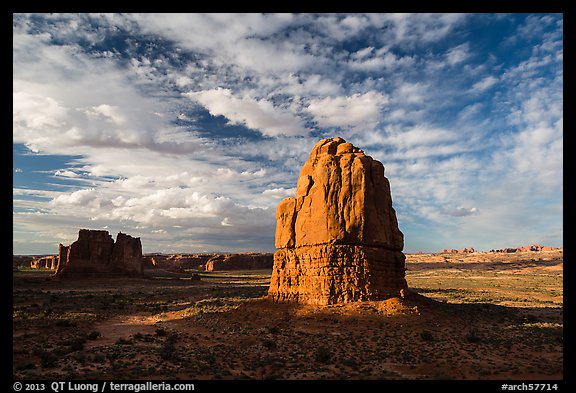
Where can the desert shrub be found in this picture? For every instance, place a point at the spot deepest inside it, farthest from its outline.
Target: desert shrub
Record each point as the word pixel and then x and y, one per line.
pixel 269 344
pixel 44 313
pixel 322 354
pixel 472 336
pixel 47 359
pixel 123 341
pixel 98 358
pixel 76 344
pixel 530 318
pixel 426 335
pixel 274 330
pixel 20 314
pixel 26 366
pixel 65 323
pixel 350 362
pixel 80 358
pixel 168 349
pixel 441 375
pixel 93 335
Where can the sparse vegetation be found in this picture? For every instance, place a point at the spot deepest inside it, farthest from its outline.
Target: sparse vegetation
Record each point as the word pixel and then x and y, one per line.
pixel 168 349
pixel 220 328
pixel 93 335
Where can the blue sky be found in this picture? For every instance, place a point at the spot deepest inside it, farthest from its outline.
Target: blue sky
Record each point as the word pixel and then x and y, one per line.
pixel 187 129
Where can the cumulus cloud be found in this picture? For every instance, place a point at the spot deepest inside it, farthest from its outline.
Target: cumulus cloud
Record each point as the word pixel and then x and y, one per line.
pixel 258 115
pixel 356 111
pixel 457 54
pixel 461 211
pixel 279 193
pixel 484 84
pixel 137 102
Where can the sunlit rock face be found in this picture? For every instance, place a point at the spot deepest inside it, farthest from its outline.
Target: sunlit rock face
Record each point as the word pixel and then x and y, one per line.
pixel 338 239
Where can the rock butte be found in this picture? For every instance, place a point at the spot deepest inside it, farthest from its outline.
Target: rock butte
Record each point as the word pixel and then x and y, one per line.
pixel 338 239
pixel 95 253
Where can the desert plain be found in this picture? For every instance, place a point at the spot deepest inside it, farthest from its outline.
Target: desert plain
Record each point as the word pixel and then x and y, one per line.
pixel 474 316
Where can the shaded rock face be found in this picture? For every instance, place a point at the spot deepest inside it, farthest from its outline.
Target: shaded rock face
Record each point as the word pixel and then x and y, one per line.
pixel 338 239
pixel 62 257
pixel 95 253
pixel 127 254
pixel 247 261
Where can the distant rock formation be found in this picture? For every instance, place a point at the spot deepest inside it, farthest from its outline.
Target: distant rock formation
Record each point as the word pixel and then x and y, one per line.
pixel 45 262
pixel 95 253
pixel 338 239
pixel 176 261
pixel 209 262
pixel 460 251
pixel 533 247
pixel 21 260
pixel 62 257
pixel 247 261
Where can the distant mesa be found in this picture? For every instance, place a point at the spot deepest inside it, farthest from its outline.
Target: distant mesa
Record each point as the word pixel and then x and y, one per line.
pixel 460 251
pixel 533 247
pixel 209 262
pixel 247 261
pixel 338 239
pixel 96 254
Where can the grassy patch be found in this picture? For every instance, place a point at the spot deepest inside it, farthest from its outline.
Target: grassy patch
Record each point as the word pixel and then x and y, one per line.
pixel 479 286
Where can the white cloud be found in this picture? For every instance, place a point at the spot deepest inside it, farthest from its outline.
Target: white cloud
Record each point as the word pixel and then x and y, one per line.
pixel 258 115
pixel 66 173
pixel 279 193
pixel 421 135
pixel 484 84
pixel 458 54
pixel 395 96
pixel 86 197
pixel 461 211
pixel 357 111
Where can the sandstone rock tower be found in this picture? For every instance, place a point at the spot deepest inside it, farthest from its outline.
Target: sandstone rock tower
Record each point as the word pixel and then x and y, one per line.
pixel 96 254
pixel 338 239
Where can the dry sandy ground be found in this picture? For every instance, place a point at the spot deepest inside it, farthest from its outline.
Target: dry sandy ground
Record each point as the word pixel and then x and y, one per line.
pixel 482 318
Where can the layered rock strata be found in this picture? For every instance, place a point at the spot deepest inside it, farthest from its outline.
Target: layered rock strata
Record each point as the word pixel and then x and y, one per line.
pixel 338 239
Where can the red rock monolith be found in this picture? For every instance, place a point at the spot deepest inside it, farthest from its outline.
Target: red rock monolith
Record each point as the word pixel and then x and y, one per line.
pixel 338 239
pixel 96 254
